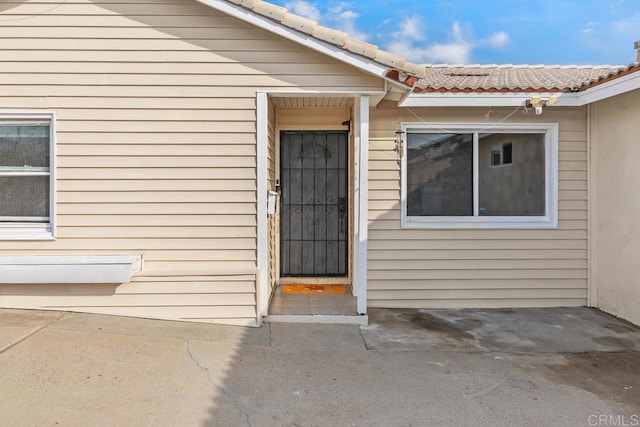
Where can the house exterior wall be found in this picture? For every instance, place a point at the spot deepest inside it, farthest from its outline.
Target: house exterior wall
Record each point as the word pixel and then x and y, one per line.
pixel 156 144
pixel 615 126
pixel 476 267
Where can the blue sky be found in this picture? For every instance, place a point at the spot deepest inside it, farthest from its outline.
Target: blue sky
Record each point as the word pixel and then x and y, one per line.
pixel 489 31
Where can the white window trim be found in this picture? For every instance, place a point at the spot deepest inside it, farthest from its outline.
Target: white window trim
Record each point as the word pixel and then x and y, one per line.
pixel 549 220
pixel 26 230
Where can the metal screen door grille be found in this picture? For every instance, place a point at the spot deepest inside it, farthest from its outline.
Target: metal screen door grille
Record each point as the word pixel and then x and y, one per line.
pixel 314 216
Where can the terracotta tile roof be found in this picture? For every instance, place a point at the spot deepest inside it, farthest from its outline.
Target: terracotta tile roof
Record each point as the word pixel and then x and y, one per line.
pixel 517 78
pixel 623 71
pixel 449 78
pixel 337 38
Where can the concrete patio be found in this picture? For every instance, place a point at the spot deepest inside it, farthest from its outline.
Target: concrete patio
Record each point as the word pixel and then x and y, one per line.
pixel 534 367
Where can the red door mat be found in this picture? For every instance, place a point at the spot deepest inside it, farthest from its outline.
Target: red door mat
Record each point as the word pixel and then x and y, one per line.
pixel 314 289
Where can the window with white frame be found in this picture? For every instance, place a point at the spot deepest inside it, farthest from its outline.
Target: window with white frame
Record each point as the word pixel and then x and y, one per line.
pixel 471 176
pixel 26 181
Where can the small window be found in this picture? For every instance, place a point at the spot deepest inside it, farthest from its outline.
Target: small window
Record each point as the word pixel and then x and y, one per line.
pixel 452 179
pixel 507 157
pixel 26 176
pixel 501 154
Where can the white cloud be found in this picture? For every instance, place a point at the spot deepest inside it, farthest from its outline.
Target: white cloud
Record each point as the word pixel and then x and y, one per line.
pixel 588 29
pixel 448 53
pixel 498 39
pixel 340 16
pixel 614 6
pixel 628 25
pixel 410 42
pixel 610 41
pixel 411 28
pixel 456 33
pixel 343 18
pixel 304 8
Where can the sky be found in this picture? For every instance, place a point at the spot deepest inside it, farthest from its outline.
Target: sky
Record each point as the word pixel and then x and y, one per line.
pixel 579 32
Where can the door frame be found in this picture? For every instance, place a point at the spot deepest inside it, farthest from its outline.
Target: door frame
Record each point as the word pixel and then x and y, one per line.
pixel 359 219
pixel 350 202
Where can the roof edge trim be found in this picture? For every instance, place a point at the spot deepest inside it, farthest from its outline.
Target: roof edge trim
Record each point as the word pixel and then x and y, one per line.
pixel 611 88
pixel 484 99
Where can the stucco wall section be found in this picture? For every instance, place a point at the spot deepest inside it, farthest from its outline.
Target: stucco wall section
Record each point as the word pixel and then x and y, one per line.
pixel 616 146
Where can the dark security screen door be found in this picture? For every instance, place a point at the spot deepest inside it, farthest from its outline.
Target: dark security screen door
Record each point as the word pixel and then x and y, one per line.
pixel 314 217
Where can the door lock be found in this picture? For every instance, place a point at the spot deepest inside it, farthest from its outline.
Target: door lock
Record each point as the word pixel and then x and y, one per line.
pixel 342 210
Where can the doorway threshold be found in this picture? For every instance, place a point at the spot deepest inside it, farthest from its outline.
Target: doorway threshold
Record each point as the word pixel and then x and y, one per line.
pixel 327 308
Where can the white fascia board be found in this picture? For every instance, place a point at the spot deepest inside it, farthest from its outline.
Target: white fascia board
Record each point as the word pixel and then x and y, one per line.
pixel 474 99
pixel 368 66
pixel 607 90
pixel 299 93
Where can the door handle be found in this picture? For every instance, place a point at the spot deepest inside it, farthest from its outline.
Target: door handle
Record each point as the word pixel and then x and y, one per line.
pixel 342 210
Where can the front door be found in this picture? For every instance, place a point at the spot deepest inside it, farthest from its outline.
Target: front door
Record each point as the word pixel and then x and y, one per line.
pixel 314 216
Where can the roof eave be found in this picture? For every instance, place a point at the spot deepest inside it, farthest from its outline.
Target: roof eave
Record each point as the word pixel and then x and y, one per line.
pixel 484 99
pixel 612 87
pixel 595 92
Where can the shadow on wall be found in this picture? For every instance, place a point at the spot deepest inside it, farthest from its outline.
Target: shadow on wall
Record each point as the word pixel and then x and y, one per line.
pixel 8 6
pixel 48 289
pixel 231 41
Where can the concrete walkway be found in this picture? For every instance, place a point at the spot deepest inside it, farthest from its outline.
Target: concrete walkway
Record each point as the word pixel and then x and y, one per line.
pixel 565 367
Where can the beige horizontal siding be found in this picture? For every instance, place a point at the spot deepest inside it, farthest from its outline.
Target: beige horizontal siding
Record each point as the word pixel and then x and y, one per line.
pixel 186 232
pixel 461 301
pixel 157 197
pixel 218 298
pixel 156 143
pixel 442 268
pixel 309 117
pixel 273 235
pixel 127 185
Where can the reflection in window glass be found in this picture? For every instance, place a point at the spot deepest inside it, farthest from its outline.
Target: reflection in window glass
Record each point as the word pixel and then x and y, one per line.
pixel 439 174
pixel 516 190
pixel 24 145
pixel 507 151
pixel 23 197
pixel 496 155
pixel 25 175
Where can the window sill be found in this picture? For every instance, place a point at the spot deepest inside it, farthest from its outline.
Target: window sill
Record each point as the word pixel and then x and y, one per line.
pixel 69 268
pixel 480 223
pixel 21 232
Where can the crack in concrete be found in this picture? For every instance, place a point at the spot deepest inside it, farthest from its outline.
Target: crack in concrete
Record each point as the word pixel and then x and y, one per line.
pixel 206 370
pixel 487 390
pixel 29 334
pixel 198 364
pixel 364 340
